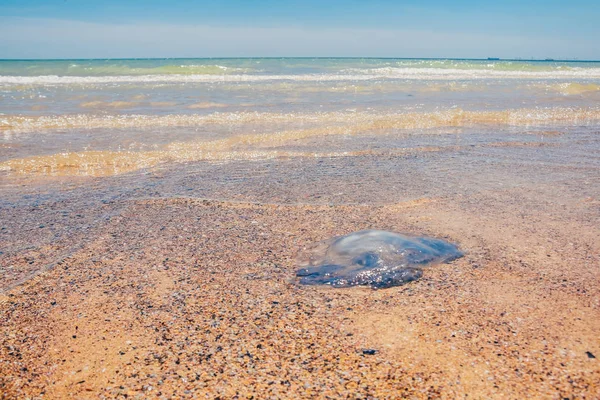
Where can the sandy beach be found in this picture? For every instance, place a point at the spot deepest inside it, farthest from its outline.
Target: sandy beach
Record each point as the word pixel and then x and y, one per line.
pixel 195 298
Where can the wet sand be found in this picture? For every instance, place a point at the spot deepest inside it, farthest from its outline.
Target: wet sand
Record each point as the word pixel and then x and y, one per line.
pixel 157 294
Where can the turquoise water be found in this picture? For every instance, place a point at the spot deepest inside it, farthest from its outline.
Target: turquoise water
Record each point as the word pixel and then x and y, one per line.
pixel 192 86
pixel 275 66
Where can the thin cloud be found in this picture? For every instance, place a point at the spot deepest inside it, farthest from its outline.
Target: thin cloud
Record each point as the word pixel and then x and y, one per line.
pixel 52 38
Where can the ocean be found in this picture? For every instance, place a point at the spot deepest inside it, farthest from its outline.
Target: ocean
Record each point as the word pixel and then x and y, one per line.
pixel 105 117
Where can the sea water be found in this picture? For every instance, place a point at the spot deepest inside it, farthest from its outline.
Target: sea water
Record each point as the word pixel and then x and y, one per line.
pixel 80 139
pixel 107 117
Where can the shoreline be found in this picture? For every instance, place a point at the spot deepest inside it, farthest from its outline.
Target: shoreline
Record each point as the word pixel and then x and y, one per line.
pixel 151 233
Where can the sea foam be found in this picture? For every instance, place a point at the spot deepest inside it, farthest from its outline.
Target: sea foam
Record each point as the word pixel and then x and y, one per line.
pixel 347 75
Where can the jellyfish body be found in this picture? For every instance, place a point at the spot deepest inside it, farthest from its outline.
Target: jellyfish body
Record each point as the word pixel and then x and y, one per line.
pixel 378 259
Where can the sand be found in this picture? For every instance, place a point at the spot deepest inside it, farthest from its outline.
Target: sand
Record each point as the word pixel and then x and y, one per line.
pixel 191 298
pixel 179 281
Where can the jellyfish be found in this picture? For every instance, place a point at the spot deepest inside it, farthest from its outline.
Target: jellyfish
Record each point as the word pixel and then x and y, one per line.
pixel 373 258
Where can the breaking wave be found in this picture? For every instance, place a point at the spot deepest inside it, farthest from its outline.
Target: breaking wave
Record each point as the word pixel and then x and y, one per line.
pixel 346 75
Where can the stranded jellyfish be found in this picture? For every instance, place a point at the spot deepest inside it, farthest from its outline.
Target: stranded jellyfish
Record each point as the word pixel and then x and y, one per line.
pixel 378 259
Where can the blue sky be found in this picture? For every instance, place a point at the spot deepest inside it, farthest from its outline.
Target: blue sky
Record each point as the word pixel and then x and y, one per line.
pixel 379 28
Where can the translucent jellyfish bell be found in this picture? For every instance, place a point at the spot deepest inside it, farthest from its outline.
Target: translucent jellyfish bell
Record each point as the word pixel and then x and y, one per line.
pixel 378 259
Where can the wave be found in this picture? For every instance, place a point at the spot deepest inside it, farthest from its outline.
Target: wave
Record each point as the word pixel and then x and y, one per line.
pixel 574 88
pixel 106 163
pixel 119 70
pixel 257 145
pixel 347 75
pixel 15 124
pixel 475 73
pixel 90 69
pixel 498 65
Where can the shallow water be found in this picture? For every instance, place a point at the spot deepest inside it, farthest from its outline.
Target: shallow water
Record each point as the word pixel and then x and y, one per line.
pixel 107 117
pixel 377 259
pixel 84 136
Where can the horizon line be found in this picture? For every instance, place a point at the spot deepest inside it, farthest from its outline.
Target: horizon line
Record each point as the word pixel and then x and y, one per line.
pixel 307 57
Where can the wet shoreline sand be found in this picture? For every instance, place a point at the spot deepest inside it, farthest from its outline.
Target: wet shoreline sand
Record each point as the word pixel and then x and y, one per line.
pixel 188 297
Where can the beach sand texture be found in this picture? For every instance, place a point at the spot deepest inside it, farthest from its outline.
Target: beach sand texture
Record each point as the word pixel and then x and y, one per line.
pixel 191 297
